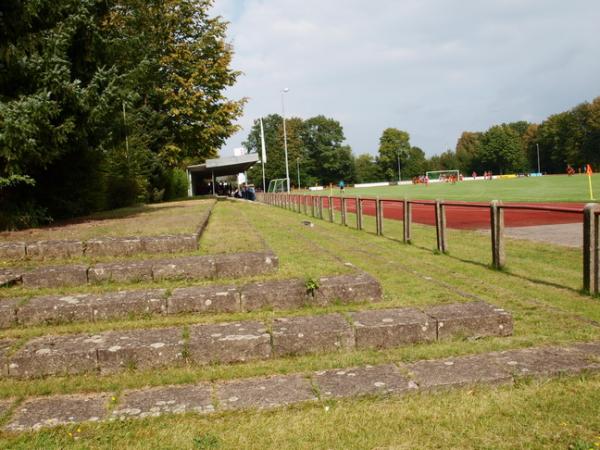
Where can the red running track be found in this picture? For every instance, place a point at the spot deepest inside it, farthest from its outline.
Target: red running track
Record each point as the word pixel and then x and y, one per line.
pixel 470 217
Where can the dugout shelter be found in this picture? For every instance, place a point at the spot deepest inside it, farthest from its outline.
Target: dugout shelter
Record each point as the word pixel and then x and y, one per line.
pixel 202 177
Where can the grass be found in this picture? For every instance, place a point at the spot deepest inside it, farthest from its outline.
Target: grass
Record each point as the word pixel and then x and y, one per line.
pixel 146 220
pixel 540 287
pixel 550 188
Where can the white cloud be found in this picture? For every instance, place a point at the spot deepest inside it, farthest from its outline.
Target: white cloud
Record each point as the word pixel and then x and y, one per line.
pixel 431 67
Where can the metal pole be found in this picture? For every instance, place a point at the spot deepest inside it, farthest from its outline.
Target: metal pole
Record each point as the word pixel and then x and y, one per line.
pixel 213 181
pixel 298 169
pixel 538 155
pixel 287 169
pixel 398 155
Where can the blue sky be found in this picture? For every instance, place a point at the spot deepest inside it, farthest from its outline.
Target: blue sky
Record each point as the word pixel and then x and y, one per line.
pixel 433 68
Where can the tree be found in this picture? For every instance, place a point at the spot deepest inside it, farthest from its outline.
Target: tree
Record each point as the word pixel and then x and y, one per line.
pixel 501 150
pixel 70 67
pixel 415 164
pixel 366 169
pixel 275 167
pixel 393 144
pixel 329 160
pixel 468 148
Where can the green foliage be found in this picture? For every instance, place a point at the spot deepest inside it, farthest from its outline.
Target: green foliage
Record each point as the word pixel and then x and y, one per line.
pixel 393 144
pixel 311 286
pixel 69 71
pixel 314 149
pixel 502 150
pixel 366 169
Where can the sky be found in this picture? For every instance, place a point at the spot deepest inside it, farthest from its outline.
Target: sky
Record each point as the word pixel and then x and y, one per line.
pixel 433 68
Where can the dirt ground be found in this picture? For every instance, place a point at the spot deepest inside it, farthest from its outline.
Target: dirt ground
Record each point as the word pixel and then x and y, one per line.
pixel 568 234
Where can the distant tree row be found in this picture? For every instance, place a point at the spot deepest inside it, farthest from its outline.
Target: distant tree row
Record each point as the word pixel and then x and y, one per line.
pixel 103 102
pixel 316 147
pixel 568 138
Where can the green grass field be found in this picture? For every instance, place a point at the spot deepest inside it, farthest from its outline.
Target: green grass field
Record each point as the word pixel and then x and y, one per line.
pixel 540 287
pixel 552 188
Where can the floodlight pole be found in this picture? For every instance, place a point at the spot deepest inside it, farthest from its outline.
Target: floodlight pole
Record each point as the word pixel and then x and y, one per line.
pixel 398 155
pixel 287 170
pixel 538 155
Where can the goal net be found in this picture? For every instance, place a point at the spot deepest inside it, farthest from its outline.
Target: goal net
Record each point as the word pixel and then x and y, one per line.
pixel 277 185
pixel 443 175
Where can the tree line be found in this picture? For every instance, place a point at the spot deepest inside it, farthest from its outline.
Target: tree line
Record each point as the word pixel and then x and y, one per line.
pixel 318 155
pixel 104 102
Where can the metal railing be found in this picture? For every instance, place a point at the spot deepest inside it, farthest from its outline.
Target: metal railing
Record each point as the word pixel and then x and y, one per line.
pixel 314 205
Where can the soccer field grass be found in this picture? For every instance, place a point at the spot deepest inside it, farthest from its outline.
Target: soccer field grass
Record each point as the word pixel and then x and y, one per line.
pixel 550 188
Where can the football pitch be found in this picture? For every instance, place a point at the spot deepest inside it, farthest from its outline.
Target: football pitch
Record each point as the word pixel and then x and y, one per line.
pixel 549 188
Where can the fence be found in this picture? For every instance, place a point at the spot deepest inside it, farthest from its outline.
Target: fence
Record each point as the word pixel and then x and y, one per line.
pixel 315 204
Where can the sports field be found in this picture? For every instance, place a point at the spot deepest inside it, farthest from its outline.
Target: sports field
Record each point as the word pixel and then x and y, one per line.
pixel 549 188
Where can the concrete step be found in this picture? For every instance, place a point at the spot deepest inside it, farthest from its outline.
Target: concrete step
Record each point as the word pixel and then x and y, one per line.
pixel 201 344
pixel 105 246
pixel 235 265
pixel 280 390
pixel 280 294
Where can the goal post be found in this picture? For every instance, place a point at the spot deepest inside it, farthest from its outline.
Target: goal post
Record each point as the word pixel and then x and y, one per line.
pixel 277 185
pixel 443 175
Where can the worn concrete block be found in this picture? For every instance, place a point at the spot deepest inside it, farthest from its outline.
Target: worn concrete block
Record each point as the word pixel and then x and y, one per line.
pixel 169 243
pixel 282 294
pixel 127 272
pixel 392 327
pixel 124 304
pixel 43 412
pixel 140 349
pixel 53 309
pixel 8 312
pixel 12 250
pixel 165 400
pixel 5 347
pixel 347 289
pixel 55 355
pixel 312 334
pixel 264 392
pixel 204 299
pixel 474 319
pixel 237 265
pixel 545 361
pixel 369 380
pixel 56 276
pixel 229 342
pixel 454 372
pixel 9 277
pixel 5 406
pixel 54 249
pixel 108 246
pixel 190 268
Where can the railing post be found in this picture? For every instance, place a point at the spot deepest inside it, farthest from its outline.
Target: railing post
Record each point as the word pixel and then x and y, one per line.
pixel 343 210
pixel 379 216
pixel 407 211
pixel 312 206
pixel 358 213
pixel 304 207
pixel 497 232
pixel 320 207
pixel 440 226
pixel 590 248
pixel 330 203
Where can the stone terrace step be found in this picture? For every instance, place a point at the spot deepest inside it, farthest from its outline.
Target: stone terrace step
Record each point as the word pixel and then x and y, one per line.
pixel 243 341
pixel 235 265
pixel 280 390
pixel 105 246
pixel 280 294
